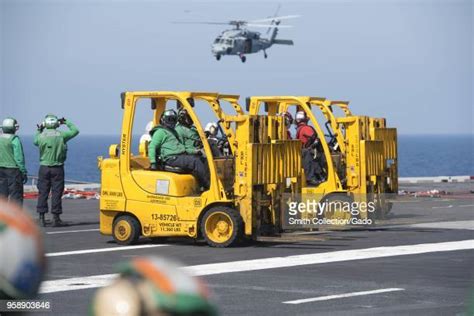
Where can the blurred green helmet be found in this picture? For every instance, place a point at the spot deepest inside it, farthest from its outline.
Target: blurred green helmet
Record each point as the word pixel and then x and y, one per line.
pixel 153 286
pixel 22 261
pixel 51 121
pixel 10 125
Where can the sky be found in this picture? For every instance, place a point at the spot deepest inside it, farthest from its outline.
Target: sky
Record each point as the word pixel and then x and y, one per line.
pixel 408 61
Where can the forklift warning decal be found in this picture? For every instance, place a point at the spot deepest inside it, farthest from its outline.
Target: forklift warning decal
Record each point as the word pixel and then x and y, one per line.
pixel 110 204
pixel 197 202
pixel 158 199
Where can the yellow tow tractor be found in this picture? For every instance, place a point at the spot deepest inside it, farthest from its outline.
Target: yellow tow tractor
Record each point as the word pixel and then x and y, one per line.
pixel 354 163
pixel 246 185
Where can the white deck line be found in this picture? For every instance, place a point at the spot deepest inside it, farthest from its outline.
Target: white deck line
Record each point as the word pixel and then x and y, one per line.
pixel 336 296
pixel 88 251
pixel 94 281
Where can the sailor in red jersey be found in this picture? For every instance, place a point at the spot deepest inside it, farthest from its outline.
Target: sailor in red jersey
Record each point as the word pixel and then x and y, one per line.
pixel 307 135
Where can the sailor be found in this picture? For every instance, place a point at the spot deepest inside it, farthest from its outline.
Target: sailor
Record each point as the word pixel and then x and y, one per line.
pixel 288 122
pixel 153 286
pixel 166 147
pixel 23 264
pixel 145 138
pixel 12 162
pixel 188 133
pixel 53 149
pixel 216 145
pixel 311 162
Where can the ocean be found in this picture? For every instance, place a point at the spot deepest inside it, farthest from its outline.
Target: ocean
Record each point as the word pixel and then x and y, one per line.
pixel 419 156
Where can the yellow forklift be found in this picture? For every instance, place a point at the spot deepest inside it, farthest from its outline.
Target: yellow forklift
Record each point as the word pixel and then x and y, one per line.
pixel 378 130
pixel 354 162
pixel 246 185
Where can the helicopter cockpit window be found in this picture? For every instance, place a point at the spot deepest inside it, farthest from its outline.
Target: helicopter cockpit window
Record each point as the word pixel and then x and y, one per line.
pixel 217 40
pixel 228 42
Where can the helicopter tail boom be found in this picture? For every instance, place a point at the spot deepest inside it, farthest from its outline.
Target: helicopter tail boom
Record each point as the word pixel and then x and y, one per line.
pixel 282 42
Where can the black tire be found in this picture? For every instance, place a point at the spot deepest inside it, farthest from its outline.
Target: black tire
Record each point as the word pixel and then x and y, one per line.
pixel 122 237
pixel 218 57
pixel 243 58
pixel 235 219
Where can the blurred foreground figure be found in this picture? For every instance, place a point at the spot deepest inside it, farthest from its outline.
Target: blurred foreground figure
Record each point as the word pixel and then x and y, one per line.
pixel 22 260
pixel 152 286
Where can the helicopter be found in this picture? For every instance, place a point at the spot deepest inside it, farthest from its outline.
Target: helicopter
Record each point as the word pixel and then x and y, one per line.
pixel 240 41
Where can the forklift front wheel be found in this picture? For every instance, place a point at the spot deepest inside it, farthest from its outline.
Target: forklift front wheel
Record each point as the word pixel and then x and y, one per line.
pixel 222 226
pixel 126 230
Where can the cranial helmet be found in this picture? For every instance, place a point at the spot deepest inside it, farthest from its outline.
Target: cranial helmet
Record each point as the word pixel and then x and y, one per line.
pixel 51 121
pixel 211 128
pixel 10 125
pixel 153 286
pixel 149 126
pixel 22 253
pixel 184 118
pixel 288 118
pixel 301 117
pixel 169 118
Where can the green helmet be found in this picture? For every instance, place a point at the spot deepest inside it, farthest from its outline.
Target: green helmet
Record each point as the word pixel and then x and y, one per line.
pixel 51 121
pixel 10 125
pixel 153 285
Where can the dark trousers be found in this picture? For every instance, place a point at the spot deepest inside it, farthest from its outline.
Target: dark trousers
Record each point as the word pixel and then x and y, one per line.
pixel 313 170
pixel 195 164
pixel 50 179
pixel 11 184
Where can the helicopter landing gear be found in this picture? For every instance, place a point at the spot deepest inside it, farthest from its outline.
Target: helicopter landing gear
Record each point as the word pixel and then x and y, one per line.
pixel 243 58
pixel 218 57
pixel 265 54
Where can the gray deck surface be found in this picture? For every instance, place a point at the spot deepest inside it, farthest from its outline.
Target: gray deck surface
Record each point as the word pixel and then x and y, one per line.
pixel 435 283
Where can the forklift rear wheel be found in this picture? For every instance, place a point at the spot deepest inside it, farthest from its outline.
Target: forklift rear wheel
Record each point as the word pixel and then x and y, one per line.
pixel 126 230
pixel 222 226
pixel 334 209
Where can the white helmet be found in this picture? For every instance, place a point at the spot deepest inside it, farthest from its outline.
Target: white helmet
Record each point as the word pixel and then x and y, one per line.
pixel 301 117
pixel 149 127
pixel 211 128
pixel 22 262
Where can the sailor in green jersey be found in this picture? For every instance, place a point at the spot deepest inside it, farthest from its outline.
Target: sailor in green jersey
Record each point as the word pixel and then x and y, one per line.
pixel 188 133
pixel 12 162
pixel 166 147
pixel 53 149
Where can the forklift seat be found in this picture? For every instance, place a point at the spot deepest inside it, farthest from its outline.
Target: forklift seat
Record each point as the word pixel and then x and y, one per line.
pixel 174 169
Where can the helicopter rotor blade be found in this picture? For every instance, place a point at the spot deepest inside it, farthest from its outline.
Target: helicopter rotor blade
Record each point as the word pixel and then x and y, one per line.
pixel 269 25
pixel 276 18
pixel 277 10
pixel 212 23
